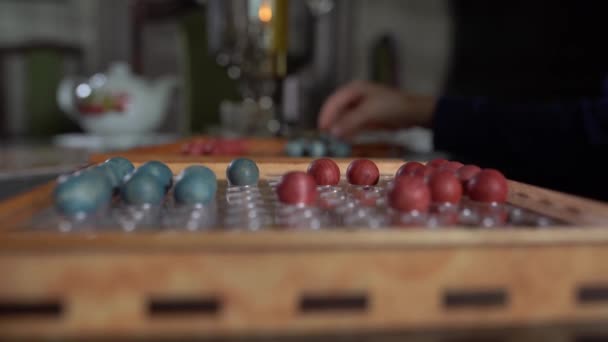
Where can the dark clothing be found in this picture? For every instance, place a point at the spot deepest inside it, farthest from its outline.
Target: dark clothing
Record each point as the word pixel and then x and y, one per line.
pixel 525 92
pixel 528 50
pixel 561 145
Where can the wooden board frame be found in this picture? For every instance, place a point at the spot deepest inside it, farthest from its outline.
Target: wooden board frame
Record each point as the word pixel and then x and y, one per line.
pixel 268 149
pixel 170 284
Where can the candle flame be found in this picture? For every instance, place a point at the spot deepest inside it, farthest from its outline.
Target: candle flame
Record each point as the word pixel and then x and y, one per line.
pixel 265 12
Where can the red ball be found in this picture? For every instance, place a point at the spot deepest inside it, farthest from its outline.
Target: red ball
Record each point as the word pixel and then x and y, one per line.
pixel 324 171
pixel 489 186
pixel 445 187
pixel 425 173
pixel 437 163
pixel 193 148
pixel 466 173
pixel 363 172
pixel 297 188
pixel 453 166
pixel 409 168
pixel 185 149
pixel 410 194
pixel 229 147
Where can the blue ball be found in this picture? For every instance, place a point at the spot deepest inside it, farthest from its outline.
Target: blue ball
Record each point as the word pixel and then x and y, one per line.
pixel 199 170
pixel 111 174
pixel 295 148
pixel 142 188
pixel 159 170
pixel 326 137
pixel 195 185
pixel 317 149
pixel 121 166
pixel 243 172
pixel 340 149
pixel 82 193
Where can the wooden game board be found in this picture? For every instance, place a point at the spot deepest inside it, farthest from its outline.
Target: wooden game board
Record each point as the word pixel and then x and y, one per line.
pixel 260 148
pixel 225 283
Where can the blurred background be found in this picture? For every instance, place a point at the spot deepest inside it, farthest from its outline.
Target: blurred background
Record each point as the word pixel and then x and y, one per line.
pixel 44 41
pixel 82 76
pixel 166 69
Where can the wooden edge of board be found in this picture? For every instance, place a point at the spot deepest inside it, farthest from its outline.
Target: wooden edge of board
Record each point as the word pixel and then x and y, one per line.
pixel 293 241
pixel 258 148
pixel 274 167
pixel 569 208
pixel 25 204
pixel 269 147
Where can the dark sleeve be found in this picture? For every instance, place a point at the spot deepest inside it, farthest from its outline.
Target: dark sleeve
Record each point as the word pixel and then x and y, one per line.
pixel 536 142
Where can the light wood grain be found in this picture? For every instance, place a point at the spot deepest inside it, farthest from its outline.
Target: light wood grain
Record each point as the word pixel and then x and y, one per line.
pixel 260 291
pixel 15 211
pixel 277 167
pixel 260 147
pixel 389 238
pixel 566 207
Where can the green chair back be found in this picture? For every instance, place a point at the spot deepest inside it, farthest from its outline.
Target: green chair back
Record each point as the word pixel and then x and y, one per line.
pixel 206 83
pixel 44 70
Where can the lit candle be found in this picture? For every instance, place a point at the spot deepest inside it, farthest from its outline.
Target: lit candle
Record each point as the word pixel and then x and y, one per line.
pixel 265 12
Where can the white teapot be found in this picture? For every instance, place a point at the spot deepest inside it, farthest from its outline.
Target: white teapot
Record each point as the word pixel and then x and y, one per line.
pixel 116 103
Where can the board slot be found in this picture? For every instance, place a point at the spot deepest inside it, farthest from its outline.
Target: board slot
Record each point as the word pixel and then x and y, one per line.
pixel 591 338
pixel 573 210
pixel 546 202
pixel 498 338
pixel 475 299
pixel 209 306
pixel 592 294
pixel 15 309
pixel 353 303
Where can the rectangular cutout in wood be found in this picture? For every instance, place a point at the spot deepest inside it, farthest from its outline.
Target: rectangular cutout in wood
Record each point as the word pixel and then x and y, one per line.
pixel 15 309
pixel 184 307
pixel 475 299
pixel 345 303
pixel 592 294
pixel 591 338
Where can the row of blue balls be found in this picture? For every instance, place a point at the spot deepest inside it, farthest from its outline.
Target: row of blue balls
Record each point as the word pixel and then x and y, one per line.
pixel 317 148
pixel 88 191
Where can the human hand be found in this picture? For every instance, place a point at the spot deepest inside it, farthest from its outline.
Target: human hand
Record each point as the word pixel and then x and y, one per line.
pixel 364 105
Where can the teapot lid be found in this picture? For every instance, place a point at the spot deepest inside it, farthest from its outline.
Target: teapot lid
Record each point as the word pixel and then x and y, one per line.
pixel 119 76
pixel 119 69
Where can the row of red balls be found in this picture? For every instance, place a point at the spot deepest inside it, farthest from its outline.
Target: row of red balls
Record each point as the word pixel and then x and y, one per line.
pixel 415 187
pixel 301 187
pixel 215 147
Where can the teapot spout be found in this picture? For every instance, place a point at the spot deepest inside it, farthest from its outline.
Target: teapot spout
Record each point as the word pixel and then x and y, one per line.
pixel 163 87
